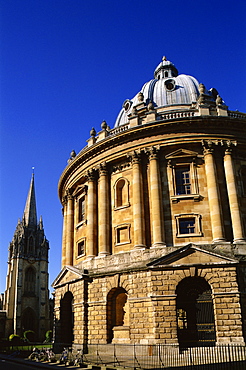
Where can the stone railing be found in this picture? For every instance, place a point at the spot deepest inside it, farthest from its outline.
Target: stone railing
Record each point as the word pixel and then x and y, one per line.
pixel 118 130
pixel 237 115
pixel 182 114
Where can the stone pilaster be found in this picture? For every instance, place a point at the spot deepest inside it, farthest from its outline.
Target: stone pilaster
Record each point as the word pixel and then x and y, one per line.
pixel 91 239
pixel 70 229
pixel 156 201
pixel 237 226
pixel 138 205
pixel 103 211
pixel 213 197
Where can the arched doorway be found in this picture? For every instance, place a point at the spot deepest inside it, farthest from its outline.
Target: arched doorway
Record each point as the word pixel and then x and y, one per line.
pixel 195 313
pixel 116 310
pixel 29 320
pixel 67 318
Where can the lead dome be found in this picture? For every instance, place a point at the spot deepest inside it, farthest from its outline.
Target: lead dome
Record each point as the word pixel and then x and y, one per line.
pixel 167 89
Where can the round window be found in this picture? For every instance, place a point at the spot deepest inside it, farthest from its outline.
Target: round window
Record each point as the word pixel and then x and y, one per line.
pixel 170 84
pixel 127 105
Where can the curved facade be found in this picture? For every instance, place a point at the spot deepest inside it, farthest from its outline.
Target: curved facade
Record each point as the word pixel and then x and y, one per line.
pixel 153 210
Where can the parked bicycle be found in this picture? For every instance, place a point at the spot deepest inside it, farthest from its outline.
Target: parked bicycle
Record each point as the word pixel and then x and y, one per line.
pixel 78 361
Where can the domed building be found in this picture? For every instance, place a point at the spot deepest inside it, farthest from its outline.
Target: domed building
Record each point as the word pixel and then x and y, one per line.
pixel 154 246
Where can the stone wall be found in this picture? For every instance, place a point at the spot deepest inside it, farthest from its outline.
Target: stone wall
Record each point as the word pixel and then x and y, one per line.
pixel 151 295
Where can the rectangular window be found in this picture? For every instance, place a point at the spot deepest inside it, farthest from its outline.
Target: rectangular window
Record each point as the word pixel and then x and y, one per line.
pixel 81 209
pixel 187 225
pixel 183 182
pixel 81 248
pixel 122 234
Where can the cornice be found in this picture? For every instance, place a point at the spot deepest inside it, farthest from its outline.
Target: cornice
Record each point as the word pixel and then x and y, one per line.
pixel 199 124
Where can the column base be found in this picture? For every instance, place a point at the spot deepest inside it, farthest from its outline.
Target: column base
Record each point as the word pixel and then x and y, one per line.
pixel 158 244
pixel 220 241
pixel 239 241
pixel 104 254
pixel 140 246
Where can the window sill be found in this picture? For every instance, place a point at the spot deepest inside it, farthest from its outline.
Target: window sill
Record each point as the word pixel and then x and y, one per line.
pixel 123 206
pixel 188 235
pixel 81 223
pixel 177 198
pixel 119 244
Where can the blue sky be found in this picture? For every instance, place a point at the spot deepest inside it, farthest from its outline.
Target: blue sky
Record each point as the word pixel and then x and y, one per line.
pixel 67 65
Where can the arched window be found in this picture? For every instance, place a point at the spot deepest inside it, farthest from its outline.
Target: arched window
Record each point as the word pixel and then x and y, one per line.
pixel 117 311
pixel 30 280
pixel 67 318
pixel 195 313
pixel 121 193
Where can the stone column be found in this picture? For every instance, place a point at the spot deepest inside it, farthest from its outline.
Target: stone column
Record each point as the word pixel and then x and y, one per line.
pixel 156 201
pixel 237 226
pixel 70 230
pixel 91 217
pixel 103 211
pixel 64 231
pixel 213 197
pixel 138 205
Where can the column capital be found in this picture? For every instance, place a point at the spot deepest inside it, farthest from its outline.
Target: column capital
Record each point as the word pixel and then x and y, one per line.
pixel 69 195
pixel 135 158
pixel 228 151
pixel 153 153
pixel 64 200
pixel 103 169
pixel 90 175
pixel 207 151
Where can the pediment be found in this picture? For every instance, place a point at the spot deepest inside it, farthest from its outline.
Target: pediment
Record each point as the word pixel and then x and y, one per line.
pixel 68 274
pixel 191 255
pixel 181 153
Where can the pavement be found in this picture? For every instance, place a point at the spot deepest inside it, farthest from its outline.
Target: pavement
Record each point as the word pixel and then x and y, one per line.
pixel 32 363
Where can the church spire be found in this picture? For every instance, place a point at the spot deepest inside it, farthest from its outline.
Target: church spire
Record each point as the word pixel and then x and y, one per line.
pixel 30 212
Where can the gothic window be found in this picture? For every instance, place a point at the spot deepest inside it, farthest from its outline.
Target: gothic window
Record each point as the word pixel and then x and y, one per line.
pixel 30 279
pixel 121 193
pixel 188 225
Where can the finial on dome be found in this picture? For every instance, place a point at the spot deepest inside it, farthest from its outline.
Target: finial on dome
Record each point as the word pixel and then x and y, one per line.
pixel 164 59
pixel 72 156
pixel 104 125
pixel 140 96
pixel 93 132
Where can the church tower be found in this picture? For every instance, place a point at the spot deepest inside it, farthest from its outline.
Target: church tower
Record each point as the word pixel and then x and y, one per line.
pixel 26 300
